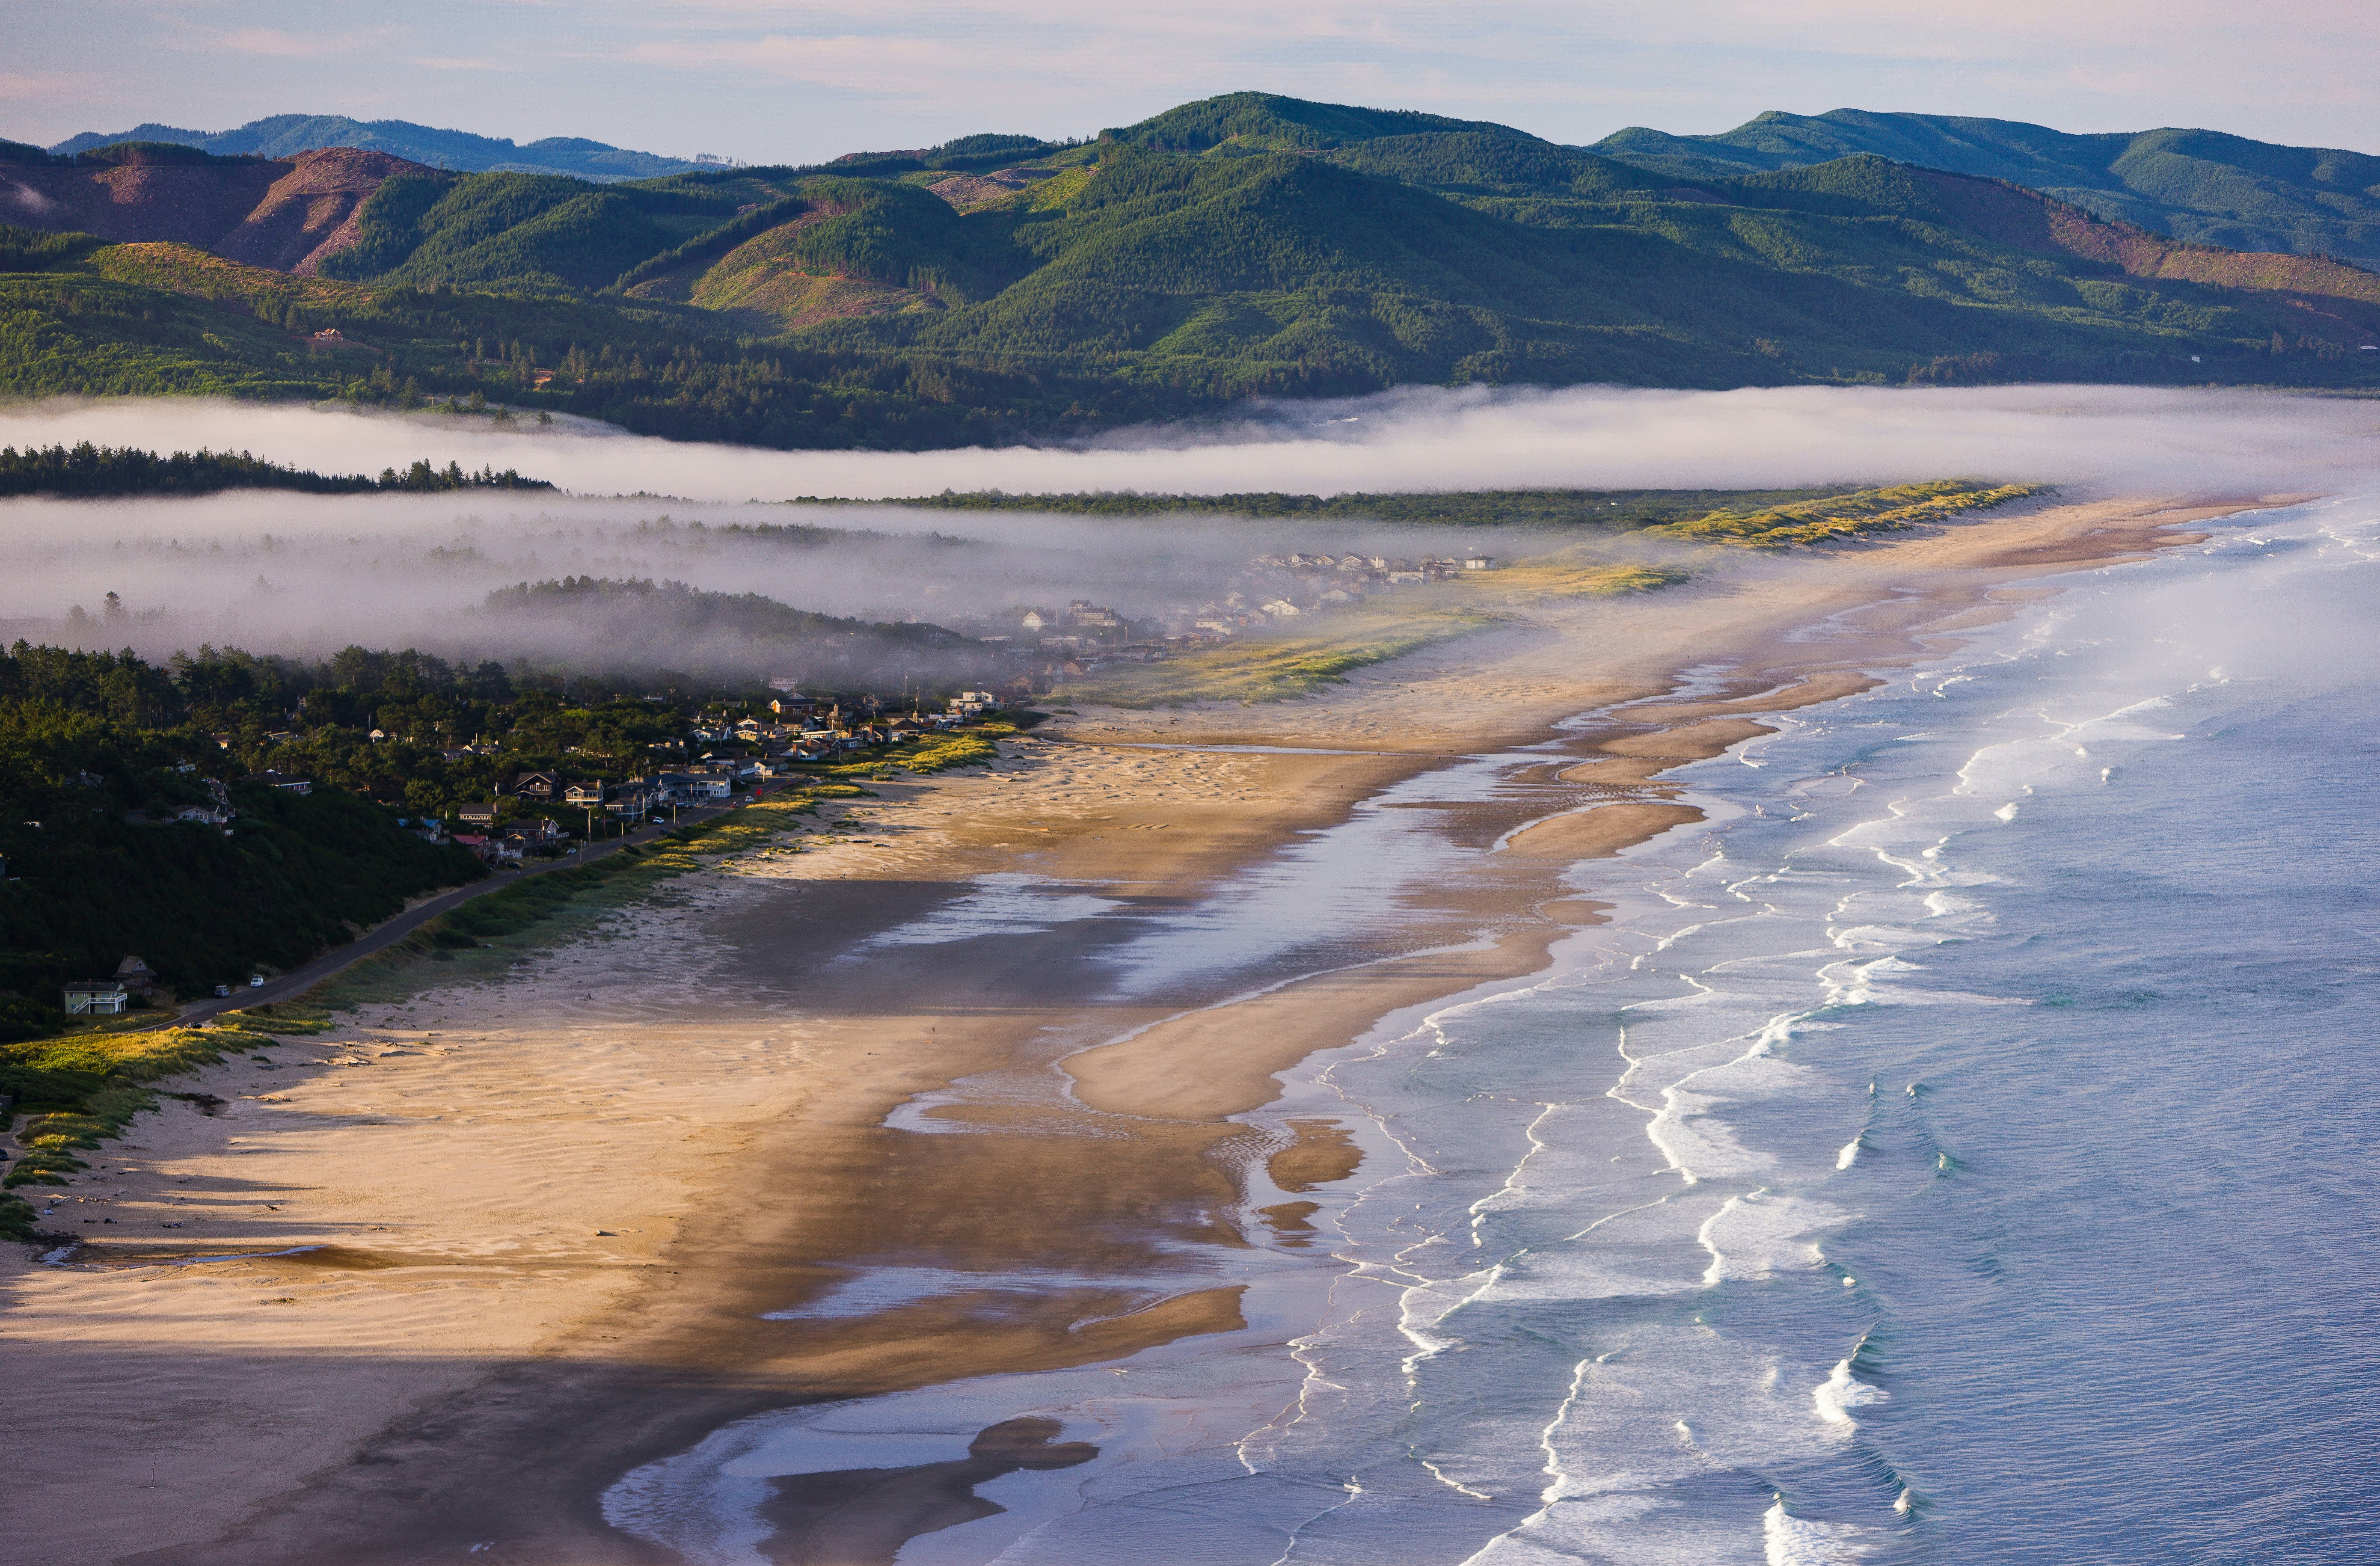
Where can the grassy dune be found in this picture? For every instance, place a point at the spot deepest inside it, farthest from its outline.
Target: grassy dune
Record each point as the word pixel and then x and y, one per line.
pixel 79 1089
pixel 1286 663
pixel 1840 516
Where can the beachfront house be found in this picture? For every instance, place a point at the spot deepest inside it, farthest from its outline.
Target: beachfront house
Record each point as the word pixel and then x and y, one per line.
pixel 137 977
pixel 97 997
pixel 543 786
pixel 584 795
pixel 479 813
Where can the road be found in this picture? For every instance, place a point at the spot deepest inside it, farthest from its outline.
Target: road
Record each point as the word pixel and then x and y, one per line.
pixel 389 932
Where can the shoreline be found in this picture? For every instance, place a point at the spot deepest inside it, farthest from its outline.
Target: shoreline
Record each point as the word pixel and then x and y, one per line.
pixel 796 1180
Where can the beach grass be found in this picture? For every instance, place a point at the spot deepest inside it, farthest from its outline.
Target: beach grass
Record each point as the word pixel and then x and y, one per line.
pixel 1282 665
pixel 1848 515
pixel 976 745
pixel 80 1088
pixel 505 922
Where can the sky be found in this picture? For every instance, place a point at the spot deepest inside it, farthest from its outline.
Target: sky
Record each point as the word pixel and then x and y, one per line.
pixel 791 82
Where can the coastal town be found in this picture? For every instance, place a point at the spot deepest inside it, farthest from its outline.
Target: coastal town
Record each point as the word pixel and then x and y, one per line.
pixel 513 796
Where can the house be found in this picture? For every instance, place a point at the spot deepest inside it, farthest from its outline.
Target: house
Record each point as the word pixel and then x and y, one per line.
pixel 538 785
pixel 98 997
pixel 584 795
pixel 329 334
pixel 479 813
pixel 1479 563
pixel 136 976
pixel 282 780
pixel 205 815
pixel 632 798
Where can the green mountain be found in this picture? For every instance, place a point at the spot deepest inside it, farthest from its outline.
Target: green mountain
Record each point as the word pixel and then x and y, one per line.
pixel 2197 185
pixel 999 289
pixel 284 136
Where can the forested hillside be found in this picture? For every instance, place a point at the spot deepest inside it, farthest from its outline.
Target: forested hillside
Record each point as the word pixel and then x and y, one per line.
pixel 998 288
pixel 2198 185
pixel 98 753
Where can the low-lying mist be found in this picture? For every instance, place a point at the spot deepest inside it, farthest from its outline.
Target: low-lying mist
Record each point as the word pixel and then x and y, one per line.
pixel 1415 438
pixel 303 575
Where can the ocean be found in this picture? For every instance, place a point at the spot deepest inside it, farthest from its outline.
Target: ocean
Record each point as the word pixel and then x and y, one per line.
pixel 1957 1148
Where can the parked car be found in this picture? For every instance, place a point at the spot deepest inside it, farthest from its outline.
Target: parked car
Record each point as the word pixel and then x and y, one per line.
pixel 223 991
pixel 256 982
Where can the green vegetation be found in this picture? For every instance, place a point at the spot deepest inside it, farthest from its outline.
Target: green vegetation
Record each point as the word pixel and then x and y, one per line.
pixel 31 250
pixel 1459 508
pixel 941 751
pixel 2198 184
pixel 77 1091
pixel 99 757
pixel 88 470
pixel 1770 518
pixel 1245 246
pixel 506 920
pixel 1280 667
pixel 1840 516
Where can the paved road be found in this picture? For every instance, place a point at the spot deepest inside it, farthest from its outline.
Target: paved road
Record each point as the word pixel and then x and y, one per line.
pixel 299 980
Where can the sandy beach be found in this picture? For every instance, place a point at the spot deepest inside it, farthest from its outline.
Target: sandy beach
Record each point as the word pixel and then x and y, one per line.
pixel 425 1286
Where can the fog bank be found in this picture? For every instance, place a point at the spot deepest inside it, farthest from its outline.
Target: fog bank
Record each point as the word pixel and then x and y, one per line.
pixel 1416 439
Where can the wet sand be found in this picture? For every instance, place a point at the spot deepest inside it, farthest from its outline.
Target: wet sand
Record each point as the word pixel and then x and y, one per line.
pixel 564 1201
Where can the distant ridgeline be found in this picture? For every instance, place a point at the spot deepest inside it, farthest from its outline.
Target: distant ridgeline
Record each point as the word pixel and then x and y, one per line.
pixel 281 136
pixel 88 470
pixel 1000 288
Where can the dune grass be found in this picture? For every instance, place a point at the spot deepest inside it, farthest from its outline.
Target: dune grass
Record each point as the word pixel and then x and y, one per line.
pixel 1842 517
pixel 81 1088
pixel 1282 664
pixel 976 745
pixel 503 921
